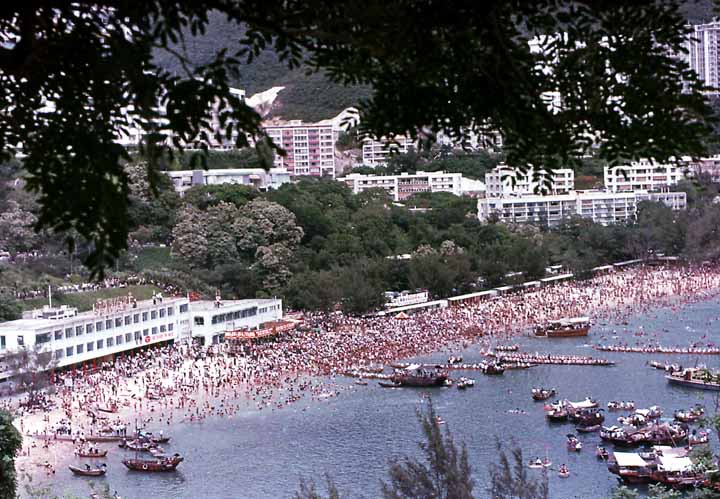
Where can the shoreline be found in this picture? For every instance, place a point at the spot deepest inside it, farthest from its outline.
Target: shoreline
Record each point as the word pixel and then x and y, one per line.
pixel 220 386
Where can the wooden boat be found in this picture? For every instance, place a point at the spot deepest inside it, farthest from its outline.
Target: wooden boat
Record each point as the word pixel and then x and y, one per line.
pixel 160 464
pixel 564 472
pixel 704 379
pixel 698 438
pixel 100 471
pixel 602 453
pixel 386 384
pixel 588 429
pixel 690 416
pixel 361 382
pixel 97 454
pixel 573 444
pixel 137 446
pixel 539 394
pixel 492 369
pixel 565 328
pixel 161 440
pixel 416 376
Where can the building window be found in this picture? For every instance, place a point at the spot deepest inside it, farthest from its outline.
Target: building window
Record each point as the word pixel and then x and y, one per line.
pixel 118 322
pixel 128 320
pixel 59 354
pixel 153 314
pixel 145 332
pixel 136 318
pixel 199 321
pixel 119 339
pixel 170 311
pixel 89 328
pixel 78 330
pixel 42 338
pixel 108 324
pixel 137 335
pixel 128 337
pixel 100 344
pixel 162 328
pixel 90 346
pixel 144 316
pixel 110 342
pixel 162 312
pixel 69 351
pixel 170 327
pixel 58 334
pixel 69 332
pixel 79 348
pixel 154 330
pixel 99 326
pixel 183 308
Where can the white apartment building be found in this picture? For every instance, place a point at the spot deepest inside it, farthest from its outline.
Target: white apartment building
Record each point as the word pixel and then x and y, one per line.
pixel 400 187
pixel 310 147
pixel 212 319
pixel 600 206
pixel 709 166
pixel 503 181
pixel 644 175
pixel 254 177
pixel 377 152
pixel 703 53
pixel 116 325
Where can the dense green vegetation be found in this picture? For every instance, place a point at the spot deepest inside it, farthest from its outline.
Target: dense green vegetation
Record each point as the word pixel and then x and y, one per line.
pixel 320 246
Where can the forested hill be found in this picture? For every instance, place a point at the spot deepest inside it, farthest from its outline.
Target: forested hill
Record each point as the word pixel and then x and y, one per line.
pixel 312 97
pixel 306 97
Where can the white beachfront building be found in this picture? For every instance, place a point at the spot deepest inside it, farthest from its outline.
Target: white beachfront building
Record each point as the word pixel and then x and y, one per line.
pixel 212 319
pixel 115 326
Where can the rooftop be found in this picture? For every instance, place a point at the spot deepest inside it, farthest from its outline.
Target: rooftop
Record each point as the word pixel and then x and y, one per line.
pixel 89 315
pixel 204 305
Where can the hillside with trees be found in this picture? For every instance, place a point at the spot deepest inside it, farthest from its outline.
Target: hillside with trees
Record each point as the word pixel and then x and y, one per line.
pixel 320 246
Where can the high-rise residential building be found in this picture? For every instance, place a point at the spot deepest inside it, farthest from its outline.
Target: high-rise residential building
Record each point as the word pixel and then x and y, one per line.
pixel 504 181
pixel 400 187
pixel 703 53
pixel 642 175
pixel 377 152
pixel 599 206
pixel 310 148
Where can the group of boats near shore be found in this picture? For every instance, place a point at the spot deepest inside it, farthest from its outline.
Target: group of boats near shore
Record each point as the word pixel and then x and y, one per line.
pixel 140 442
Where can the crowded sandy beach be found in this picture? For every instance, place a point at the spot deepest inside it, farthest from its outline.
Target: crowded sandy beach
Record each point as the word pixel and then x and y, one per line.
pixel 185 384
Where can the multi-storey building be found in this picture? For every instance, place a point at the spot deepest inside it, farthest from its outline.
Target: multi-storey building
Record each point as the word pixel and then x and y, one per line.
pixel 212 319
pixel 377 152
pixel 642 175
pixel 116 325
pixel 254 177
pixel 600 206
pixel 703 53
pixel 505 181
pixel 400 187
pixel 708 166
pixel 310 148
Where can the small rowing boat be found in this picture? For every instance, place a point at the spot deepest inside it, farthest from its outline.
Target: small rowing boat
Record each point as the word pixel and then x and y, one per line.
pixel 99 471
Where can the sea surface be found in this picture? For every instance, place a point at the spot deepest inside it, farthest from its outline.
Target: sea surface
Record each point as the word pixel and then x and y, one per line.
pixel 351 437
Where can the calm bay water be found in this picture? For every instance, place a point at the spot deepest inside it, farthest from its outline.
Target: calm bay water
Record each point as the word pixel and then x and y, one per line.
pixel 261 454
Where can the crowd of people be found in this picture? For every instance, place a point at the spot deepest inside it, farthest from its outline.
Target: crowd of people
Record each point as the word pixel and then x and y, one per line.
pixel 188 383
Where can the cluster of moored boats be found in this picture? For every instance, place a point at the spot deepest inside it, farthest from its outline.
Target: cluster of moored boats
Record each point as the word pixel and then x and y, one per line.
pixel 668 462
pixel 141 442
